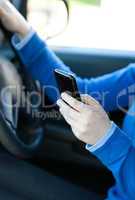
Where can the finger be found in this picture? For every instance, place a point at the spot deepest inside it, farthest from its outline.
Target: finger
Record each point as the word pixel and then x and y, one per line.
pixel 71 116
pixel 89 100
pixel 68 110
pixel 69 120
pixel 75 104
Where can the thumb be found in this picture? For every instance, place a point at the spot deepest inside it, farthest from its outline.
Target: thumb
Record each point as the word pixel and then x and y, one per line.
pixel 89 100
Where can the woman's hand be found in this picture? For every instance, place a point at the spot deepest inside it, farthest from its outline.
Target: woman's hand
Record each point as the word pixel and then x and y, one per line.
pixel 88 120
pixel 12 20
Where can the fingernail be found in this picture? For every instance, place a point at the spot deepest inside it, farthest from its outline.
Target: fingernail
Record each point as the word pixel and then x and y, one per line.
pixel 63 95
pixel 58 102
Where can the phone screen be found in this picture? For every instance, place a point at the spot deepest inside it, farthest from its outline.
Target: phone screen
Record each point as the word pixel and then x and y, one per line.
pixel 67 83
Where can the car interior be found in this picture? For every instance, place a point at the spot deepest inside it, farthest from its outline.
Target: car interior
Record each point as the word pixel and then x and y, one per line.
pixel 54 148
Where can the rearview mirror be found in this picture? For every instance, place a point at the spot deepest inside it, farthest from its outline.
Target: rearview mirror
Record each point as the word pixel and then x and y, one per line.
pixel 49 18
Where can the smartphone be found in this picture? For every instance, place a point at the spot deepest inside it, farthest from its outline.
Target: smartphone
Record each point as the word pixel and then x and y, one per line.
pixel 67 83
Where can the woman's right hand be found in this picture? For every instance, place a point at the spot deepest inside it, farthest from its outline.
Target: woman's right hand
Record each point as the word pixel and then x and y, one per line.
pixel 12 20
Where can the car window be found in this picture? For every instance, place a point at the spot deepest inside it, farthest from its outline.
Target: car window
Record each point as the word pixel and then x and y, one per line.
pixel 101 24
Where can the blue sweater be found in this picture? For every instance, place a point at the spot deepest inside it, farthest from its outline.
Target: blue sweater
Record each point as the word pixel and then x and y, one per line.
pixel 118 153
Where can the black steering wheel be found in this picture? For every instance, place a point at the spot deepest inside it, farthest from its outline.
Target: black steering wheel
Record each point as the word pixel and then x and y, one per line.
pixel 20 132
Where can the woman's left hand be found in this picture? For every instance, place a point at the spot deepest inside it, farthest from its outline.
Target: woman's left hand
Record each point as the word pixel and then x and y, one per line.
pixel 88 120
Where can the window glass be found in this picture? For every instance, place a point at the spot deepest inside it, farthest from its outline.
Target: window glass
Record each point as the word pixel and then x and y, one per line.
pixel 106 24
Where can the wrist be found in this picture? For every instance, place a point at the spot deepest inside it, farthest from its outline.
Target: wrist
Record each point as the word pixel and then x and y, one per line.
pixel 102 141
pixel 104 128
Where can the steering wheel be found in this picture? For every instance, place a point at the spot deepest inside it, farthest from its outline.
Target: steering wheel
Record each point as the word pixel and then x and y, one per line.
pixel 20 132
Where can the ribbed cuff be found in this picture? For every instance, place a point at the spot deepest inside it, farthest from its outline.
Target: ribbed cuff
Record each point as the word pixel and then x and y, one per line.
pixel 115 147
pixel 29 48
pixel 19 43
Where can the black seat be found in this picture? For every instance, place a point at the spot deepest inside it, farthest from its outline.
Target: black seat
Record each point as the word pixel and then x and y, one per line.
pixel 22 181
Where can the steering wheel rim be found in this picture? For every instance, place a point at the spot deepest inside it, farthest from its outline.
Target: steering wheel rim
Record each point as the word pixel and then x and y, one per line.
pixel 9 136
pixel 14 145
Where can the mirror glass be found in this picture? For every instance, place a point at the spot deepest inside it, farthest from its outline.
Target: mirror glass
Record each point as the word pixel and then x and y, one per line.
pixel 49 18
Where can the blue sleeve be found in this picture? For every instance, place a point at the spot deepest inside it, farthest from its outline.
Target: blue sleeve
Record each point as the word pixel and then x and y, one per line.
pixel 41 62
pixel 118 155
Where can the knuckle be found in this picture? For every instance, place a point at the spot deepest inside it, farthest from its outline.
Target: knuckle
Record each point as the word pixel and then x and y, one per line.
pixel 61 110
pixel 72 101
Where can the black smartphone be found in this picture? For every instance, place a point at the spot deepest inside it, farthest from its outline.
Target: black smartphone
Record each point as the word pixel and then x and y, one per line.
pixel 67 83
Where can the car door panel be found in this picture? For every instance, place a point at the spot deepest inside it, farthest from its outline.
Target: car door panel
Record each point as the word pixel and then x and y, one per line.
pixel 93 62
